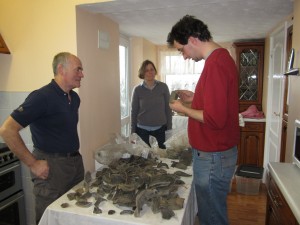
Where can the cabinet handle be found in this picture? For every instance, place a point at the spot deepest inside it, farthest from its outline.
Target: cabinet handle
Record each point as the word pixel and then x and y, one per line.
pixel 278 204
pixel 274 196
pixel 276 114
pixel 275 199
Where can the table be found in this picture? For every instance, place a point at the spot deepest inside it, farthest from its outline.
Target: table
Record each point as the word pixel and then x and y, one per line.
pixel 56 215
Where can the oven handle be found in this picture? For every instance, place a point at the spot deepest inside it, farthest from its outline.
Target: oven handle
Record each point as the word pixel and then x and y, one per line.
pixel 16 198
pixel 9 169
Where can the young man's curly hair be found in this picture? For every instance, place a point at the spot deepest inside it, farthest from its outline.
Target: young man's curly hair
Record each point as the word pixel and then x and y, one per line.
pixel 187 27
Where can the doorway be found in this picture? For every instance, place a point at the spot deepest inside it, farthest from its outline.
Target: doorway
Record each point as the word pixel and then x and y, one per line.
pixel 276 95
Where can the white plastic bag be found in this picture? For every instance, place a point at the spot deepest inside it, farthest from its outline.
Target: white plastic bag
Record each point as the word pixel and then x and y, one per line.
pixel 178 139
pixel 108 153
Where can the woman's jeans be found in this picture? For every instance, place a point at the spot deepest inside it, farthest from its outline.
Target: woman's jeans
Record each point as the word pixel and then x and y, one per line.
pixel 159 134
pixel 213 172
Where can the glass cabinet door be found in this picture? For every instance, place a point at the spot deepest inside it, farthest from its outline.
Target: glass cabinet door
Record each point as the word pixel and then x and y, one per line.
pixel 250 65
pixel 248 75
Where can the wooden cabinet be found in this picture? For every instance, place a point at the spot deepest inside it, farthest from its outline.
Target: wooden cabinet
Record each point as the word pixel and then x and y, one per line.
pixel 3 47
pixel 250 64
pixel 278 211
pixel 251 147
pixel 250 60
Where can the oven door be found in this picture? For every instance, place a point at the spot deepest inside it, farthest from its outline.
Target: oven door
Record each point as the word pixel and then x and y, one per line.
pixel 10 179
pixel 12 210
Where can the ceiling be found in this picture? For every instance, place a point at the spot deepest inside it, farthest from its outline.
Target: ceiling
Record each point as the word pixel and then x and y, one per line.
pixel 227 20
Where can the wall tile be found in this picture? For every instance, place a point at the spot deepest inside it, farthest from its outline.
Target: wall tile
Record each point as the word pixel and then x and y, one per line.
pixel 5 100
pixel 8 102
pixel 17 98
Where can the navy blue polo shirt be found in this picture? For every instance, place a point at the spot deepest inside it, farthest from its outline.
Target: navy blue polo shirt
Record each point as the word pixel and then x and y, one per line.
pixel 52 118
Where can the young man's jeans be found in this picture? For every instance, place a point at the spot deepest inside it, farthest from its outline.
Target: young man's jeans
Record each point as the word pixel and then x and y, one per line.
pixel 213 172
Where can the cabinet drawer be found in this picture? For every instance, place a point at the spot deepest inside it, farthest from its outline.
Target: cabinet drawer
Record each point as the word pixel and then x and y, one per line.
pixel 279 205
pixel 254 126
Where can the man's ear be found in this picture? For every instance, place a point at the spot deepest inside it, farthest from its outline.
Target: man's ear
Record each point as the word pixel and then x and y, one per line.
pixel 60 68
pixel 193 40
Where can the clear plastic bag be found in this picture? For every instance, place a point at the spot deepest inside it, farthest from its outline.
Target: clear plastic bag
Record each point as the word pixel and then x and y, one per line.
pixel 108 153
pixel 121 147
pixel 177 139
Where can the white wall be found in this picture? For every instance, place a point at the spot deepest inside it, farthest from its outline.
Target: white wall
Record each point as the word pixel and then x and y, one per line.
pixel 100 90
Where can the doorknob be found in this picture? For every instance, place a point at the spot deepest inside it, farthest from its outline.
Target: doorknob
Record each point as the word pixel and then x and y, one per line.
pixel 276 114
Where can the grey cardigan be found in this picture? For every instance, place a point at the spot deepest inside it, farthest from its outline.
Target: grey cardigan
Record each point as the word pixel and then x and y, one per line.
pixel 151 107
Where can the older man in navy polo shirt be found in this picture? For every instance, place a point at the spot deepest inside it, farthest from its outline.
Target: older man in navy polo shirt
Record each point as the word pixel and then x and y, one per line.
pixel 52 114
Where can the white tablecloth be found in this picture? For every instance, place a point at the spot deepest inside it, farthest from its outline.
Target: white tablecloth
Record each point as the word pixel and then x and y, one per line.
pixel 56 215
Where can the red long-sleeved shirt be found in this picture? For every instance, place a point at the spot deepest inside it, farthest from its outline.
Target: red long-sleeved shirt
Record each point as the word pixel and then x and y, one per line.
pixel 216 94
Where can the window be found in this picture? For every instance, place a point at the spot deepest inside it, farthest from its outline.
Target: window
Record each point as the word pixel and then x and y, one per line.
pixel 178 73
pixel 124 86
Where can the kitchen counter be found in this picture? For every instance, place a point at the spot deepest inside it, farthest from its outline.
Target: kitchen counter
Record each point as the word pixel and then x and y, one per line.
pixel 182 121
pixel 287 178
pixel 254 120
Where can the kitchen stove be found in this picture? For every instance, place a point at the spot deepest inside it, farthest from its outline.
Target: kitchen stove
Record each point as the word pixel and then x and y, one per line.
pixel 12 205
pixel 6 156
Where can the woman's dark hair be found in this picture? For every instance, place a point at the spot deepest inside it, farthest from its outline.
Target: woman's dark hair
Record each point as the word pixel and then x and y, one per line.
pixel 187 27
pixel 142 69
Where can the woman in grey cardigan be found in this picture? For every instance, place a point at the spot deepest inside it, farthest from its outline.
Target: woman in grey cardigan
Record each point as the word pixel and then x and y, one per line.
pixel 150 111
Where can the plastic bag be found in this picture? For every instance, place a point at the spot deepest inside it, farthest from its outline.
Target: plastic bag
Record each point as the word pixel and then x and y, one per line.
pixel 110 152
pixel 120 147
pixel 178 139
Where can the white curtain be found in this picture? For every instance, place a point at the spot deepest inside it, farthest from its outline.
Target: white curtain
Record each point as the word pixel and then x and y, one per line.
pixel 177 72
pixel 172 62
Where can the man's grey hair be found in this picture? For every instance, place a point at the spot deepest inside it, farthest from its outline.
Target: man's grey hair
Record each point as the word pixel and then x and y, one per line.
pixel 60 58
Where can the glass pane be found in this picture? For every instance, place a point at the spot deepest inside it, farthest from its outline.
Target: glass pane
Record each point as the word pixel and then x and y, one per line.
pixel 182 74
pixel 125 130
pixel 248 75
pixel 124 101
pixel 177 65
pixel 185 81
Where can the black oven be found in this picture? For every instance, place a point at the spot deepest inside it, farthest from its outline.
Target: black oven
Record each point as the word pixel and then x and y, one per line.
pixel 12 210
pixel 12 206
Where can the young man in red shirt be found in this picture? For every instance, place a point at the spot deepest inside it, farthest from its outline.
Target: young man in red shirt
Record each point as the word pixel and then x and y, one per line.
pixel 213 126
